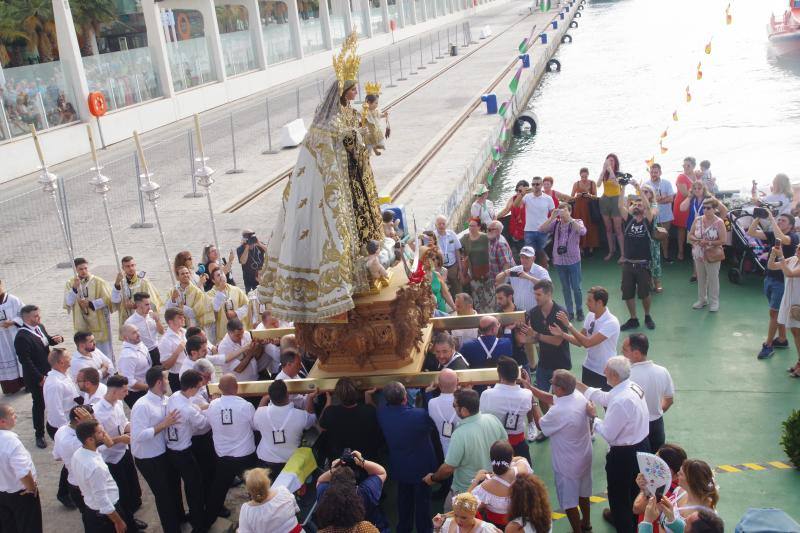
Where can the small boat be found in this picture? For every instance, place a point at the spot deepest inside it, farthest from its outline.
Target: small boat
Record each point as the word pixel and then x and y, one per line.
pixel 784 34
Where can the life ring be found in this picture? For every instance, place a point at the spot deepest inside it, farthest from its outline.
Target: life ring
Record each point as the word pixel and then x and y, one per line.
pixel 566 38
pixel 183 26
pixel 554 65
pixel 527 117
pixel 97 104
pixel 573 24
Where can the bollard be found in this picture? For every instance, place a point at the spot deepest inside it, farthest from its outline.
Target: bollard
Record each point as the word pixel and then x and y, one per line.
pixel 526 60
pixel 391 78
pixel 235 169
pixel 543 36
pixel 421 66
pixel 142 222
pixel 269 149
pixel 555 24
pixel 190 144
pixel 491 103
pixel 400 58
pixel 430 40
pixel 439 45
pixel 411 70
pixel 453 50
pixel 561 15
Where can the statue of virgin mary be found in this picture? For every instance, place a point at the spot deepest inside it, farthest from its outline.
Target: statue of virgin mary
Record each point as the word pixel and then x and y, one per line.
pixel 329 211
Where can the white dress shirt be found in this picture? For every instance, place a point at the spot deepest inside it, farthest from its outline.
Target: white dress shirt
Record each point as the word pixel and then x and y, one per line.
pixel 444 417
pixel 298 400
pixel 276 515
pixel 147 329
pixel 567 425
pixel 231 419
pixel 281 428
pixel 656 383
pixel 59 397
pixel 134 362
pixel 523 288
pixel 192 422
pixel 99 490
pixel 217 360
pixel 99 394
pixel 597 356
pixel 65 444
pixel 627 420
pixel 449 245
pixel 510 404
pixel 115 422
pixel 226 347
pixel 95 360
pixel 15 462
pixel 168 344
pixel 147 413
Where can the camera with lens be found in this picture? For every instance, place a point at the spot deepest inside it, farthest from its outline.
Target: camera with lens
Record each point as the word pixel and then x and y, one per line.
pixel 763 212
pixel 623 178
pixel 351 461
pixel 251 239
pixel 561 250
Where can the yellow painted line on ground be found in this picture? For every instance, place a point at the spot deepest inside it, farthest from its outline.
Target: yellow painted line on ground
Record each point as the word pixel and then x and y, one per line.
pixel 596 499
pixel 753 466
pixel 728 468
pixel 778 464
pixel 558 516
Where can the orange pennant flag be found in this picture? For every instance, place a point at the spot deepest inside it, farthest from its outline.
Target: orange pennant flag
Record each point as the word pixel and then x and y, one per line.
pixel 650 162
pixel 688 94
pixel 675 116
pixel 708 48
pixel 664 133
pixel 700 71
pixel 663 148
pixel 728 16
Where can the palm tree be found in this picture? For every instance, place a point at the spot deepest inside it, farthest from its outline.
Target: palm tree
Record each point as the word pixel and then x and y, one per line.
pixel 88 16
pixel 32 16
pixel 9 34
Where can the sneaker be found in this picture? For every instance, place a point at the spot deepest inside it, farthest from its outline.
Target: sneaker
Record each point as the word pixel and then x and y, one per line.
pixel 632 323
pixel 693 279
pixel 699 305
pixel 571 316
pixel 648 321
pixel 580 317
pixel 777 343
pixel 669 260
pixel 766 352
pixel 713 308
pixel 532 432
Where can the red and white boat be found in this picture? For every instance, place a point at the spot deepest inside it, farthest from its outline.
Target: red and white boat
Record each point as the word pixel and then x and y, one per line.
pixel 784 34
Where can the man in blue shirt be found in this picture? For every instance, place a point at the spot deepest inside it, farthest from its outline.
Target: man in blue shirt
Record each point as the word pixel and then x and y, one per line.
pixel 484 351
pixel 411 437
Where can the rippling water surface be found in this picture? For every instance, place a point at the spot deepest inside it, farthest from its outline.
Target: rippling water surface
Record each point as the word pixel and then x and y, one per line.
pixel 627 71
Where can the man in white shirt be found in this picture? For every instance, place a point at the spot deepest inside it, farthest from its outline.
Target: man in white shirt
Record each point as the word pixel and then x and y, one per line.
pixel 441 409
pixel 566 423
pixel 625 428
pixel 92 391
pixel 19 494
pixel 464 307
pixel 191 421
pixel 150 419
pixel 103 511
pixel 270 361
pixel 148 323
pixel 655 381
pixel 665 194
pixel 281 426
pixel 197 350
pixel 522 278
pixel 172 346
pixel 599 336
pixel 60 393
pixel 110 413
pixel 133 363
pixel 513 405
pixel 449 245
pixel 240 351
pixel 291 368
pixel 231 419
pixel 537 209
pixel 65 444
pixel 88 355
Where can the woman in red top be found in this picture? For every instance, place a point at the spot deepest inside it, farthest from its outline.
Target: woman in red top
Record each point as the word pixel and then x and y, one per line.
pixel 683 184
pixel 516 223
pixel 584 192
pixel 547 188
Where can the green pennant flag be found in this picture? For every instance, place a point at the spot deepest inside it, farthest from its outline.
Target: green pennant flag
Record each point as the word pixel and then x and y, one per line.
pixel 504 135
pixel 504 108
pixel 490 179
pixel 545 5
pixel 515 82
pixel 523 46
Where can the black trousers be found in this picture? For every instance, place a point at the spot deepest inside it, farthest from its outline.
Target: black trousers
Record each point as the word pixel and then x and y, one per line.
pixel 155 357
pixel 274 469
pixel 174 382
pixel 203 450
pixel 130 492
pixel 132 396
pixel 63 484
pixel 97 522
pixel 20 513
pixel 184 462
pixel 621 471
pixel 521 449
pixel 657 437
pixel 77 499
pixel 590 378
pixel 37 397
pixel 227 469
pixel 165 485
pixel 414 507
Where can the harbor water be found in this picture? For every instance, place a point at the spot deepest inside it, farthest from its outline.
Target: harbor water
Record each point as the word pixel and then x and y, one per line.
pixel 627 71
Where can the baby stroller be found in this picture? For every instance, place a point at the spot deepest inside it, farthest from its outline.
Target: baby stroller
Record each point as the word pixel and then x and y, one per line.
pixel 749 255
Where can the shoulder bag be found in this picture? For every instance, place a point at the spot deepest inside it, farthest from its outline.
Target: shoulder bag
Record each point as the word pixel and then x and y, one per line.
pixel 712 254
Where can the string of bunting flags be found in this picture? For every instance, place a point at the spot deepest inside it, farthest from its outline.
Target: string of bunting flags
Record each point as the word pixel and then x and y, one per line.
pixel 688 92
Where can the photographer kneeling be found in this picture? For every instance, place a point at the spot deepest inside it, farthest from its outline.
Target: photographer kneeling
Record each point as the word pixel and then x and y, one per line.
pixel 352 469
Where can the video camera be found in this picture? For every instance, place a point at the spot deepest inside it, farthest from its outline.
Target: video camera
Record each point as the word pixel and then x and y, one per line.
pixel 763 212
pixel 623 178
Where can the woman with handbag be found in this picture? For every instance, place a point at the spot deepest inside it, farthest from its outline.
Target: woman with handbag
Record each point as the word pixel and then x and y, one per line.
pixel 475 267
pixel 707 235
pixel 789 313
pixel 587 208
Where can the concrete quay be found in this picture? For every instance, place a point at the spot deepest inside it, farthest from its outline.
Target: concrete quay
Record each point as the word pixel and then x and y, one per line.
pixel 424 111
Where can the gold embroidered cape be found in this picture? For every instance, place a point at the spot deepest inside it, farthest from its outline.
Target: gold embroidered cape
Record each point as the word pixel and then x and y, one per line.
pixel 95 321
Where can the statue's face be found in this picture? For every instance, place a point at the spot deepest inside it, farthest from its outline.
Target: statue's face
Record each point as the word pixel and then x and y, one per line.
pixel 351 93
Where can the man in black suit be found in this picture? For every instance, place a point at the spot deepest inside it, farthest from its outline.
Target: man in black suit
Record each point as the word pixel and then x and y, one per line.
pixel 32 344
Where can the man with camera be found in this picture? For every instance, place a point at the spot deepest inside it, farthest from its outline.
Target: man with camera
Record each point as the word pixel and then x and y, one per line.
pixel 251 255
pixel 635 260
pixel 781 231
pixel 522 278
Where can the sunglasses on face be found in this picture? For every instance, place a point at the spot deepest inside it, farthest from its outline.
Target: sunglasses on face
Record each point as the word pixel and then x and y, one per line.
pixel 536 184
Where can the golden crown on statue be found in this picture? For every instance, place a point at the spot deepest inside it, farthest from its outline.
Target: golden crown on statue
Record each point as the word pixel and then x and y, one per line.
pixel 346 64
pixel 372 88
